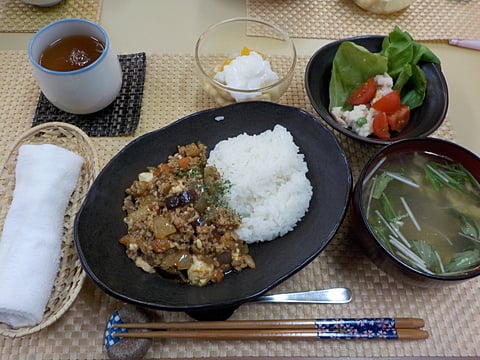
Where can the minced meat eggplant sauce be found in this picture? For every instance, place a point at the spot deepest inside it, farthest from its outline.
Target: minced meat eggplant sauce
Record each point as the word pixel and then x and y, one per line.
pixel 179 224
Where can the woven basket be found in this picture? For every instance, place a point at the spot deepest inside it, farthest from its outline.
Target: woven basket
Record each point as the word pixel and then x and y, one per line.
pixel 70 274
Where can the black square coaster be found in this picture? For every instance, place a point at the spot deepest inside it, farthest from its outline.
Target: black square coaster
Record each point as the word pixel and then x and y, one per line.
pixel 119 118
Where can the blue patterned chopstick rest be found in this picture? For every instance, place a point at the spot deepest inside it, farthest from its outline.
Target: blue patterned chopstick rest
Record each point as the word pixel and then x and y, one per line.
pixel 365 328
pixel 111 340
pixel 119 348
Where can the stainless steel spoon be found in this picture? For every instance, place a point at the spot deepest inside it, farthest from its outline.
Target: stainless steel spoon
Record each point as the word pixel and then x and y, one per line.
pixel 325 296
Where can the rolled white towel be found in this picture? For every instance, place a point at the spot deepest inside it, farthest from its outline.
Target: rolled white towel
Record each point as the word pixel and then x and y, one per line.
pixel 45 177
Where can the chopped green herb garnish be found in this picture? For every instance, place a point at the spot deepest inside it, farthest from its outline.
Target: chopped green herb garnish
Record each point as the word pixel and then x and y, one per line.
pixel 361 121
pixel 194 173
pixel 217 192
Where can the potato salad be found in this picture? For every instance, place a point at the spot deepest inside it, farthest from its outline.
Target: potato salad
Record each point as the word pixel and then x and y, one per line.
pixel 360 118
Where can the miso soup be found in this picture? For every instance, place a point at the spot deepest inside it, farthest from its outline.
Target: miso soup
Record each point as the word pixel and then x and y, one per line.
pixel 425 209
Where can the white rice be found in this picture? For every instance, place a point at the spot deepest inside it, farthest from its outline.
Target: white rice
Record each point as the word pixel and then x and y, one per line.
pixel 269 187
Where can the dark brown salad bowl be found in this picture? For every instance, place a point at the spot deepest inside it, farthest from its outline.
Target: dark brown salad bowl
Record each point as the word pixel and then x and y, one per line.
pixel 424 120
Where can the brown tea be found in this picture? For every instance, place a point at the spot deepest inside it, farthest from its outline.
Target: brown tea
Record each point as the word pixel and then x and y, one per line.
pixel 71 53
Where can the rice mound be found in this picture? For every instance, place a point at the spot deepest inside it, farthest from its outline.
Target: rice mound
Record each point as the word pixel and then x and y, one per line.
pixel 269 187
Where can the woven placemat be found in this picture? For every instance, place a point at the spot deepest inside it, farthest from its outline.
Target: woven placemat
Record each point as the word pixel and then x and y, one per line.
pixel 16 16
pixel 336 19
pixel 119 118
pixel 171 92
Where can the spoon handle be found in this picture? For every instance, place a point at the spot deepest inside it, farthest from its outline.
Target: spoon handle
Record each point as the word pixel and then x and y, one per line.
pixel 326 296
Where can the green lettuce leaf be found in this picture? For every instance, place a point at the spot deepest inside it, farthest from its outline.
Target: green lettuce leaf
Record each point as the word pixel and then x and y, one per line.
pixel 352 66
pixel 404 55
pixel 414 90
pixel 400 57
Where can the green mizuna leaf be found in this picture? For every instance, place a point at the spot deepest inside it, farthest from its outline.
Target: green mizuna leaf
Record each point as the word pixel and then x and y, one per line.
pixel 427 253
pixel 463 260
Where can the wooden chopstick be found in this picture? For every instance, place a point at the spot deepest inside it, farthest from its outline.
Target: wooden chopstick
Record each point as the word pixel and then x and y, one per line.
pixel 377 328
pixel 266 334
pixel 400 323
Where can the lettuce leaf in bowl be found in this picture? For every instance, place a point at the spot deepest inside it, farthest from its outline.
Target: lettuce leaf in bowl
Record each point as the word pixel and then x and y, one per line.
pixel 400 57
pixel 404 56
pixel 352 66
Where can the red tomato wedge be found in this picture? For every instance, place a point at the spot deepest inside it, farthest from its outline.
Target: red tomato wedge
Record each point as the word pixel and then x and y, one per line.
pixel 399 119
pixel 364 94
pixel 388 103
pixel 380 126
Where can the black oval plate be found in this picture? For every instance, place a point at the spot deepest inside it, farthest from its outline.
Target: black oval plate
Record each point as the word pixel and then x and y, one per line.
pixel 99 223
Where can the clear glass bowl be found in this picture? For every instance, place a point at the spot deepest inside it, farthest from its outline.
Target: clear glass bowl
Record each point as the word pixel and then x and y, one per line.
pixel 224 41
